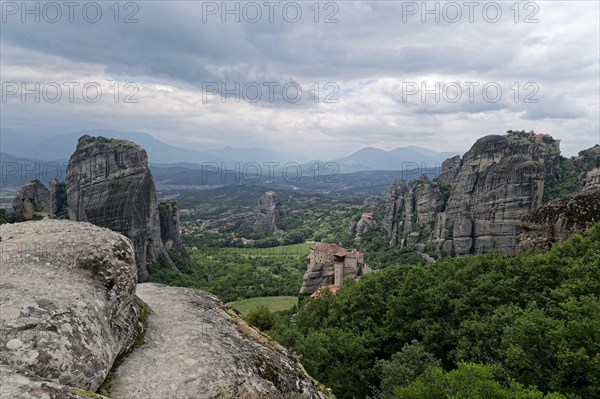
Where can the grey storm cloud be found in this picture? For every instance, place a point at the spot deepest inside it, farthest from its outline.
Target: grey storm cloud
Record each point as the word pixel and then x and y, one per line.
pixel 369 53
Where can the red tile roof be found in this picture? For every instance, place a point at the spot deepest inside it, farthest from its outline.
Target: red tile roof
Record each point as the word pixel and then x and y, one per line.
pixel 332 287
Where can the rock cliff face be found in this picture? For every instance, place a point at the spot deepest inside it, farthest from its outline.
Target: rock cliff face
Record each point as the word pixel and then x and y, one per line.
pixel 557 220
pixel 169 227
pixel 67 304
pixel 69 311
pixel 33 201
pixel 262 220
pixel 109 184
pixel 588 166
pixel 478 201
pixel 195 349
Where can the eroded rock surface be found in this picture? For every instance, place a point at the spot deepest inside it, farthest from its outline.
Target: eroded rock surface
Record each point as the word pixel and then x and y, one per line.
pixel 67 302
pixel 109 184
pixel 194 349
pixel 22 385
pixel 558 220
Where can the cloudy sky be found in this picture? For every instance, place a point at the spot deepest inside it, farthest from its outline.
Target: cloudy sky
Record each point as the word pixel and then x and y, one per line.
pixel 322 79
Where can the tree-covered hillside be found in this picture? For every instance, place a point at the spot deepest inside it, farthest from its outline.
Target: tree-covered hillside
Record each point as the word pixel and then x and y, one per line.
pixel 488 326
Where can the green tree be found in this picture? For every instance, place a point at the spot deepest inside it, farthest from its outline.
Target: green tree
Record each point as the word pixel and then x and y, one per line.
pixel 403 368
pixel 468 381
pixel 261 318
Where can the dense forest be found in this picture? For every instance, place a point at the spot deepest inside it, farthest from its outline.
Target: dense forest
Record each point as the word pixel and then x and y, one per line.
pixel 487 326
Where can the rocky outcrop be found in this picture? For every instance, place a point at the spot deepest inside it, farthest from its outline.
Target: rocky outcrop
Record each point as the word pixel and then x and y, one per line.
pixel 170 230
pixel 587 164
pixel 68 310
pixel 109 184
pixel 557 220
pixel 33 201
pixel 194 348
pixel 373 203
pixel 268 212
pixel 262 220
pixel 364 224
pixel 478 201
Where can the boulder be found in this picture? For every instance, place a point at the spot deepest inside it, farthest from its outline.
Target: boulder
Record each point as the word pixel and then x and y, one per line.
pixel 67 300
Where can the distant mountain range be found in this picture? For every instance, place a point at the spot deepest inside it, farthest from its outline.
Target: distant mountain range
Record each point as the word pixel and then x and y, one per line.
pixel 162 154
pixel 398 159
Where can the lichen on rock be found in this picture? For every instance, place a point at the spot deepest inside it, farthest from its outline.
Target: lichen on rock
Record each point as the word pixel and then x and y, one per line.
pixel 67 300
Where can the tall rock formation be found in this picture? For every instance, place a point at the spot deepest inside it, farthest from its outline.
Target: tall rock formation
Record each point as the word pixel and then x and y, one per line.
pixel 263 219
pixel 478 201
pixel 109 184
pixel 394 212
pixel 170 230
pixel 268 212
pixel 556 221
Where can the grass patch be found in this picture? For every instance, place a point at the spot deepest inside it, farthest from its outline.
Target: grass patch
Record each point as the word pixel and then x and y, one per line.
pixel 274 303
pixel 282 250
